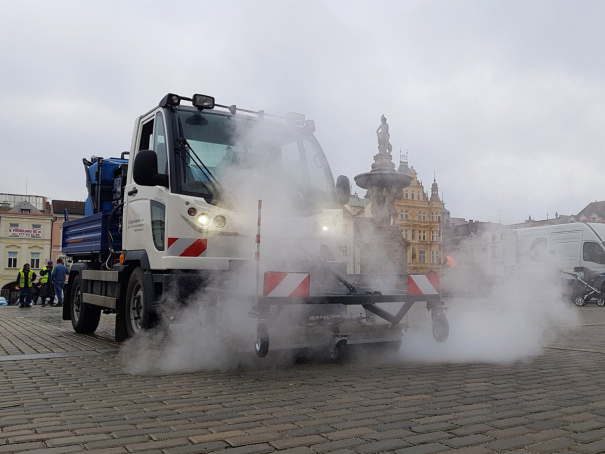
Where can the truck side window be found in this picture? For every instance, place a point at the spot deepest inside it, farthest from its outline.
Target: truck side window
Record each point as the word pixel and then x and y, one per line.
pixel 159 142
pixel 593 252
pixel 146 142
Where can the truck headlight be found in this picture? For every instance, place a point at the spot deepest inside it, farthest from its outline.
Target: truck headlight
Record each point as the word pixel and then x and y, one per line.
pixel 203 219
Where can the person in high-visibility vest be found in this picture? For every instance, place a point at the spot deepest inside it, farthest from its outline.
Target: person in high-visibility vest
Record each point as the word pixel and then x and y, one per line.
pixel 25 279
pixel 47 288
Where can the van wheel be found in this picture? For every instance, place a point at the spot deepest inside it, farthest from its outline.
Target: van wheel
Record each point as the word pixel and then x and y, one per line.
pixel 84 317
pixel 579 301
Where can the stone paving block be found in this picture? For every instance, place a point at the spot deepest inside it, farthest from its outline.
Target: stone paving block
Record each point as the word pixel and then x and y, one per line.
pixel 299 450
pixel 197 449
pixel 349 433
pixel 250 449
pixel 471 429
pixel 428 437
pixel 470 440
pixel 591 448
pixel 549 434
pixel 253 439
pixel 217 436
pixel 555 445
pixel 516 431
pixel 509 422
pixel 309 430
pixel 510 443
pixel 382 446
pixel 423 449
pixel 76 440
pixel 38 437
pixel 584 426
pixel 163 444
pixel 422 428
pixel 336 445
pixel 293 442
pixel 116 450
pixel 20 447
pixel 61 450
pixel 544 425
pixel 385 435
pixel 113 442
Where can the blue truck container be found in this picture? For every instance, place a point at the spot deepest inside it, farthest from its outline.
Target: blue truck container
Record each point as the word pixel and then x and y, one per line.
pixel 90 235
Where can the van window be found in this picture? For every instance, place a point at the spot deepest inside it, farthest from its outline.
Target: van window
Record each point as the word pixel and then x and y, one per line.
pixel 593 252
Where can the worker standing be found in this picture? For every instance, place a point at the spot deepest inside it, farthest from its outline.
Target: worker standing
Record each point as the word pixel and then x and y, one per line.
pixel 25 278
pixel 46 284
pixel 58 276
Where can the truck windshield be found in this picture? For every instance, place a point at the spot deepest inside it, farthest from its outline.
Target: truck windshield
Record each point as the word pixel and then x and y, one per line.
pixel 252 158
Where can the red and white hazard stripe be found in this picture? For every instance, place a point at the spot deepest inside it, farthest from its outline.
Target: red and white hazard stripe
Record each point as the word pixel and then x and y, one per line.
pixel 423 284
pixel 287 284
pixel 187 247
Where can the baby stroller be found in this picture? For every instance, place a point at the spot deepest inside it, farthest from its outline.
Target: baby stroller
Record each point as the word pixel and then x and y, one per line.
pixel 586 286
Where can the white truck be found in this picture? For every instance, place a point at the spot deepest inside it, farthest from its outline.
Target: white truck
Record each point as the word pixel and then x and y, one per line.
pixel 179 212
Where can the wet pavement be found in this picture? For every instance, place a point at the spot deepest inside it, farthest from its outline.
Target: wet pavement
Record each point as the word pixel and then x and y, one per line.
pixel 63 392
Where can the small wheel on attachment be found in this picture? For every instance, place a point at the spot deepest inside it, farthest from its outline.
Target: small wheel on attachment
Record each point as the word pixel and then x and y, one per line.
pixel 579 301
pixel 601 301
pixel 441 328
pixel 337 350
pixel 261 345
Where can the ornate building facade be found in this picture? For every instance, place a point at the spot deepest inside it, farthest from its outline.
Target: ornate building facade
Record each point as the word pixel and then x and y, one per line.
pixel 420 218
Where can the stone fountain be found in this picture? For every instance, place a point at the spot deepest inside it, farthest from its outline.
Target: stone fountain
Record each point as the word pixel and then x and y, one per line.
pixel 383 248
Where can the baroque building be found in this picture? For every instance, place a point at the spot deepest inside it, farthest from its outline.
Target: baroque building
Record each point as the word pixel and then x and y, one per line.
pixel 420 218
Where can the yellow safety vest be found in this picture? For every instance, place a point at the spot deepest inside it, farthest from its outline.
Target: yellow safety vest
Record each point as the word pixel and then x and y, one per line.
pixel 22 278
pixel 44 277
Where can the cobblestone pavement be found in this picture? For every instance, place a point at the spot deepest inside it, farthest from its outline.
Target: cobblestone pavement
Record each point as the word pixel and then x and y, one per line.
pixel 61 392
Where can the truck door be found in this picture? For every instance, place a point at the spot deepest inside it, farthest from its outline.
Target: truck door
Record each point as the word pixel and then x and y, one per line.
pixel 593 256
pixel 146 205
pixel 566 249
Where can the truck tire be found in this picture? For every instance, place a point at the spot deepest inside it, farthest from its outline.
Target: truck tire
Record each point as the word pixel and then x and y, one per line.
pixel 84 317
pixel 441 328
pixel 137 317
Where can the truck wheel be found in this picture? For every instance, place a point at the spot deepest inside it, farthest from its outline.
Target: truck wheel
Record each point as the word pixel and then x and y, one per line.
pixel 137 318
pixel 84 317
pixel 441 328
pixel 579 301
pixel 261 345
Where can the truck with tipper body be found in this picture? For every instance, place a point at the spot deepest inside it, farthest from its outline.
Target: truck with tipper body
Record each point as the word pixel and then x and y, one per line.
pixel 180 213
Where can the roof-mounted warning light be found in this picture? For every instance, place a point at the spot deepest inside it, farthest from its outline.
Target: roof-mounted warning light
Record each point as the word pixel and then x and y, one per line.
pixel 170 100
pixel 203 102
pixel 295 119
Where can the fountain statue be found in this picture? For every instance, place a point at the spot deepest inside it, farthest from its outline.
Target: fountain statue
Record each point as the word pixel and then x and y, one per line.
pixel 384 251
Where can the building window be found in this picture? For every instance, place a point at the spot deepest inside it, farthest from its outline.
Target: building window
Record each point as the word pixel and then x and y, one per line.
pixel 405 234
pixel 34 261
pixel 344 250
pixel 432 216
pixel 406 194
pixel 419 216
pixel 412 195
pixel 418 195
pixel 413 253
pixel 25 210
pixel 502 236
pixel 493 251
pixel 413 235
pixel 422 256
pixel 12 259
pixel 13 225
pixel 345 229
pixel 424 215
pixel 406 214
pixel 424 235
pixel 37 226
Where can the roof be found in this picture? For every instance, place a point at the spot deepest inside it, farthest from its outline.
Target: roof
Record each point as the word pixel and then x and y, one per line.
pixel 593 209
pixel 73 207
pixel 28 207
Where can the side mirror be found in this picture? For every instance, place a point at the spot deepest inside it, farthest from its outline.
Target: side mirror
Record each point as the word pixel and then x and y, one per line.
pixel 343 189
pixel 145 170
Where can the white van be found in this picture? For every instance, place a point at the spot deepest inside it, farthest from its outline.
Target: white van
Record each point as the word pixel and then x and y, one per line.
pixel 579 244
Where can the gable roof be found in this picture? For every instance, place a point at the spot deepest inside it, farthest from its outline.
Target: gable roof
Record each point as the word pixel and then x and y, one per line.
pixel 24 206
pixel 73 207
pixel 591 210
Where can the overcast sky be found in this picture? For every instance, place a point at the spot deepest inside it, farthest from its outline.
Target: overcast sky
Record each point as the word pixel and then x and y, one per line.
pixel 505 101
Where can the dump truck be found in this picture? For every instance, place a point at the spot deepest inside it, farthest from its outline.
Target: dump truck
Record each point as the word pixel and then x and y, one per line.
pixel 227 204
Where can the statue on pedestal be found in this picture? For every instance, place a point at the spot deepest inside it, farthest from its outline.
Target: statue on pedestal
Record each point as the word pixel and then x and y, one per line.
pixel 384 146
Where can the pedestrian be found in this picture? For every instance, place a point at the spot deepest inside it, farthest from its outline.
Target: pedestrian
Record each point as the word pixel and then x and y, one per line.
pixel 25 278
pixel 58 276
pixel 47 289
